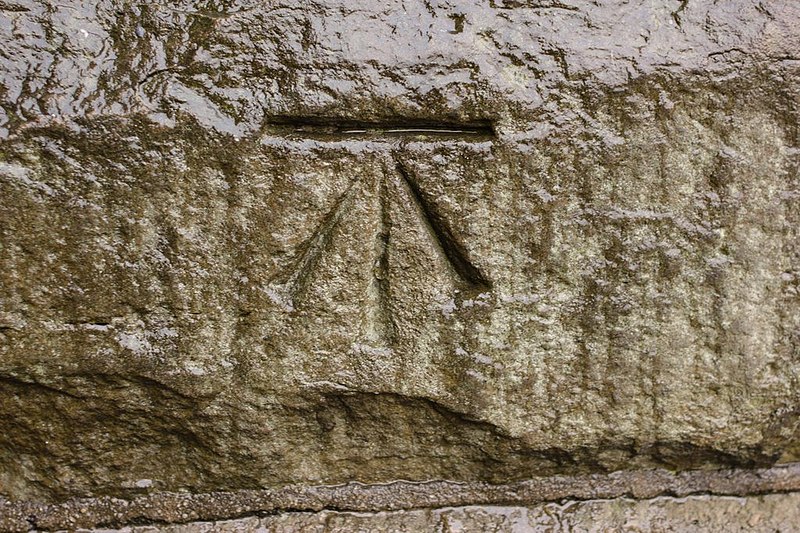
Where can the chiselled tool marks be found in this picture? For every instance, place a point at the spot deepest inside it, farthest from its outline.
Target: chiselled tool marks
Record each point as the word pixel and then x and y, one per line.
pixel 295 280
pixel 382 318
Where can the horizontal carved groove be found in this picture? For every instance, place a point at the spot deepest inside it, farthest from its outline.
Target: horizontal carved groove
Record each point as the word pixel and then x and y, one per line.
pixel 482 129
pixel 521 4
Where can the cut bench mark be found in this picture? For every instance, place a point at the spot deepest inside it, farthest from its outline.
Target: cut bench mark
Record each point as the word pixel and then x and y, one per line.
pixel 397 179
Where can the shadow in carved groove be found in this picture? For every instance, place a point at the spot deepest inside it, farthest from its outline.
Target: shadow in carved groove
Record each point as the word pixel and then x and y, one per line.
pixel 451 248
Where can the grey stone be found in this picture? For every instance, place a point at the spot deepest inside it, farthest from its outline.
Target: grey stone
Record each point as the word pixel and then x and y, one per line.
pixel 246 244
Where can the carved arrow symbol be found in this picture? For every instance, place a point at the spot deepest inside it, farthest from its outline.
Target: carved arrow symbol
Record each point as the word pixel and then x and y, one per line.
pixel 399 177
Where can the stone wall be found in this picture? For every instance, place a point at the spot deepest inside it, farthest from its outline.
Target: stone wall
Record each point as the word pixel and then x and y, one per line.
pixel 246 244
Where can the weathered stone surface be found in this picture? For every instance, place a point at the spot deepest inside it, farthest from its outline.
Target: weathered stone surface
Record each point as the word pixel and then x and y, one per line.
pixel 777 512
pixel 247 244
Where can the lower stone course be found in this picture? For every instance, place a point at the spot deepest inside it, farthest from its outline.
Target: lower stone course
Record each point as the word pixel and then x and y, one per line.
pixel 769 513
pixel 643 500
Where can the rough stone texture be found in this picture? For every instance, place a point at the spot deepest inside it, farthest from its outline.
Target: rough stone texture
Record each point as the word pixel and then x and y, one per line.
pixel 768 514
pixel 244 244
